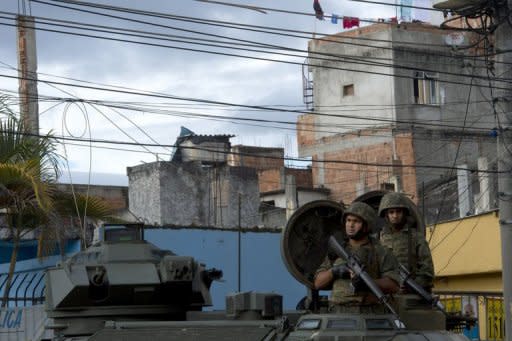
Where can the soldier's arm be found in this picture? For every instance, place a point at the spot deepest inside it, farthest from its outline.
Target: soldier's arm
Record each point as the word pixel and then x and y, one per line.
pixel 390 276
pixel 387 285
pixel 425 265
pixel 323 277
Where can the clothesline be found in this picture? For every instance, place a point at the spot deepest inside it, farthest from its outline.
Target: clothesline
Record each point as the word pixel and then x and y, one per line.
pixel 348 21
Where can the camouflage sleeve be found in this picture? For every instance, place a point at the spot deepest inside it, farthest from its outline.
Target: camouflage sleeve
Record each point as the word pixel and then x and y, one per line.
pixel 389 264
pixel 425 265
pixel 326 265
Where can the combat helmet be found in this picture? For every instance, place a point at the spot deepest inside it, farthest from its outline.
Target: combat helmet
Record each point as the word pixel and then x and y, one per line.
pixel 363 211
pixel 393 200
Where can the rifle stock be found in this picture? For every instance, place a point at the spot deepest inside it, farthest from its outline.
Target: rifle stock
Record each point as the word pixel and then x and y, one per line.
pixel 354 265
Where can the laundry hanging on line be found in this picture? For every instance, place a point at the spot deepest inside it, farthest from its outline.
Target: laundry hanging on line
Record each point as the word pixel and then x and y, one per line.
pixel 349 22
pixel 319 13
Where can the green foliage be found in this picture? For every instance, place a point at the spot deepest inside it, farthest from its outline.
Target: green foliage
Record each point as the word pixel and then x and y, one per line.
pixel 29 167
pixel 17 145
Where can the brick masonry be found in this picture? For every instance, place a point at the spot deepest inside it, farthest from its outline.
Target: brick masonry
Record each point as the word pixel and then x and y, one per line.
pixel 353 175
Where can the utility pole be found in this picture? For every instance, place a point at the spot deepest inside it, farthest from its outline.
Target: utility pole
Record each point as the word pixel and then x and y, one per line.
pixel 503 102
pixel 239 241
pixel 27 73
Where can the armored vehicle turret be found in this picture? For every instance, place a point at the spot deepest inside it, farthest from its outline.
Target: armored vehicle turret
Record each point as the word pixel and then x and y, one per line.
pixel 123 287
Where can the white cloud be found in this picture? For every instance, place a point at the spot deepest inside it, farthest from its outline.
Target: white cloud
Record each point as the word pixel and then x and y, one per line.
pixel 173 71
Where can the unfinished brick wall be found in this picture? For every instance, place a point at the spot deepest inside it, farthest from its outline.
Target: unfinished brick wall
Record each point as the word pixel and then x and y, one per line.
pixel 305 130
pixel 357 171
pixel 273 179
pixel 115 196
pixel 270 180
pixel 405 151
pixel 303 177
pixel 256 157
pixel 344 180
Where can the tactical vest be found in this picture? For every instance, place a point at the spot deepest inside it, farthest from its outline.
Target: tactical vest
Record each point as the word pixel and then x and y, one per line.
pixel 342 291
pixel 403 245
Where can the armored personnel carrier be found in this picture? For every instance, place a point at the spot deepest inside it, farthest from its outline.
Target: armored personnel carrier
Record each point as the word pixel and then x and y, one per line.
pixel 125 288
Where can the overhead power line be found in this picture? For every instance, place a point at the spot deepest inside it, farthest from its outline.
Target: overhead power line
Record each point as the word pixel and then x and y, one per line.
pixel 365 71
pixel 401 5
pixel 256 47
pixel 337 108
pixel 64 138
pixel 350 129
pixel 249 57
pixel 331 38
pixel 157 95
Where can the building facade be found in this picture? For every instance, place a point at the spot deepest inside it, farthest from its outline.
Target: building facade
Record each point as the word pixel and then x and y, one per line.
pixel 394 107
pixel 468 269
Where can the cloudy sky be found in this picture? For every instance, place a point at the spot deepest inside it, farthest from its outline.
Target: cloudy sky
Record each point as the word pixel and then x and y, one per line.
pixel 163 66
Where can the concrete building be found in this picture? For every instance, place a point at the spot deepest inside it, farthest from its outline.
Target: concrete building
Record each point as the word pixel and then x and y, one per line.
pixel 209 183
pixel 207 149
pixel 196 188
pixel 390 101
pixel 472 287
pixel 193 194
pixel 283 190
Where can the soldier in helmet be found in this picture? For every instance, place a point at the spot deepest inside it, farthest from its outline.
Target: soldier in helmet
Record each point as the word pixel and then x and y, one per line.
pixel 349 293
pixel 401 235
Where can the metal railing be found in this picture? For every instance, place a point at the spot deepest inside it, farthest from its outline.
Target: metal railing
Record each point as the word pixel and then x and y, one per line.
pixel 27 288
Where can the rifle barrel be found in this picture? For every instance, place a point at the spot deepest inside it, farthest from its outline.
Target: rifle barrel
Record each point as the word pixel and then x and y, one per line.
pixel 354 265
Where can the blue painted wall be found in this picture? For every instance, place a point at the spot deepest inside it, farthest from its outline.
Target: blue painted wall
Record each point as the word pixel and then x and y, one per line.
pixel 262 268
pixel 28 250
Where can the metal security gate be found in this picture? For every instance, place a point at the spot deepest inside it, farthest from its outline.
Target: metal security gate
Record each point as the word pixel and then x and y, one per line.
pixel 487 308
pixel 495 318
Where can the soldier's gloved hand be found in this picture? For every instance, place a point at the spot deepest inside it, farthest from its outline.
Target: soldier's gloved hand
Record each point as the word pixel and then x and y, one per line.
pixel 358 284
pixel 340 272
pixel 404 289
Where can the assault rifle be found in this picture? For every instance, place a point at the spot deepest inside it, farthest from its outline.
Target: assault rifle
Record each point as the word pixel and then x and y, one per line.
pixel 405 275
pixel 354 264
pixel 454 321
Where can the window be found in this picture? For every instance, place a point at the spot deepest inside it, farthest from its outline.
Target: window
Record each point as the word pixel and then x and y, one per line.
pixel 387 186
pixel 372 324
pixel 309 324
pixel 348 90
pixel 269 203
pixel 426 88
pixel 344 324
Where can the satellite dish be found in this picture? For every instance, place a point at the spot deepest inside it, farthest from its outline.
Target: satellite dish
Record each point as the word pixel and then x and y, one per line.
pixel 454 38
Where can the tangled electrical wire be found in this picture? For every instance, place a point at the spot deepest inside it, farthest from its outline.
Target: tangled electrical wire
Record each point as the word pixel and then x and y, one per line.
pixel 488 14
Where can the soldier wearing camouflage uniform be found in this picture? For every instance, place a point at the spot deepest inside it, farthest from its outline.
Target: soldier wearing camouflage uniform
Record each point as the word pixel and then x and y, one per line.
pixel 349 293
pixel 401 235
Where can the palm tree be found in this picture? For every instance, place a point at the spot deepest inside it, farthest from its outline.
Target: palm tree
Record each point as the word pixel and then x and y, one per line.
pixel 29 167
pixel 27 200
